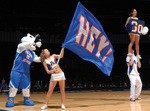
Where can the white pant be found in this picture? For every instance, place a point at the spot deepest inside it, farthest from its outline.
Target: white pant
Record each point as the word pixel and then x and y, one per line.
pixel 136 86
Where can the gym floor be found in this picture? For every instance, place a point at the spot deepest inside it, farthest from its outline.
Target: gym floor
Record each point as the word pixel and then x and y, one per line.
pixel 83 101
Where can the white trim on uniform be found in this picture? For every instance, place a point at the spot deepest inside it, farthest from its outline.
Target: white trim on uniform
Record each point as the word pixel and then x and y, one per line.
pixel 12 84
pixel 27 86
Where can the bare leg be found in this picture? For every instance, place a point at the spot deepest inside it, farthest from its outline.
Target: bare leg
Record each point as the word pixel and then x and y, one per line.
pixel 137 39
pixel 50 91
pixel 132 40
pixel 62 91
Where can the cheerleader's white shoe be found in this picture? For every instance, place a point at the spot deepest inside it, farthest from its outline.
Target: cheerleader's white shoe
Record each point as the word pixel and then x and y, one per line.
pixel 129 54
pixel 139 56
pixel 44 107
pixel 63 106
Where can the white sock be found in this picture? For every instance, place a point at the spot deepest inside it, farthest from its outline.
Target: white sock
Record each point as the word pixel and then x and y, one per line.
pixel 12 92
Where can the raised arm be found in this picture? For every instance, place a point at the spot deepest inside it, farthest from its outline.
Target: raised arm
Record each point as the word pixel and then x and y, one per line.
pixel 129 60
pixel 36 58
pixel 56 56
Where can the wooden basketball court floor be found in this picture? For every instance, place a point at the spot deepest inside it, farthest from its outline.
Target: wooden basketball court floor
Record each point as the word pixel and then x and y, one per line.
pixel 83 101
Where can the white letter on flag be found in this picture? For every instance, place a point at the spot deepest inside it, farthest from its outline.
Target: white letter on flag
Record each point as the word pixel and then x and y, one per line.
pixel 96 32
pixel 82 31
pixel 102 44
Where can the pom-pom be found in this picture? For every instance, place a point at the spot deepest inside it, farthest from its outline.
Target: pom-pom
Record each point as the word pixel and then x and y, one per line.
pixel 145 30
pixel 129 27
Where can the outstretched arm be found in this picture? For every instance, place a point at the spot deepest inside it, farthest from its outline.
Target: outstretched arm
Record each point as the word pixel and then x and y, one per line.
pixel 36 58
pixel 56 56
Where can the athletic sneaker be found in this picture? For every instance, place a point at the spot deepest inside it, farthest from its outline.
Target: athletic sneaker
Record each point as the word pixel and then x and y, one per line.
pixel 44 107
pixel 132 99
pixel 137 98
pixel 139 56
pixel 130 54
pixel 63 106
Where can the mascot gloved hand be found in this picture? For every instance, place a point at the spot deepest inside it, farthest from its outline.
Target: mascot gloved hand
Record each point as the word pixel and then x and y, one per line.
pixel 20 73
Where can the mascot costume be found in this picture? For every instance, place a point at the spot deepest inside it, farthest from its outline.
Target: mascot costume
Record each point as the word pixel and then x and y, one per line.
pixel 20 73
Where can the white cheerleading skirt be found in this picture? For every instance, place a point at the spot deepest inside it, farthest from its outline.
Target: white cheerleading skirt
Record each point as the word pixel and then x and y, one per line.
pixel 58 77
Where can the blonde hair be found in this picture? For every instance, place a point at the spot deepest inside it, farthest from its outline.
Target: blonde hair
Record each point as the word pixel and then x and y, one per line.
pixel 42 56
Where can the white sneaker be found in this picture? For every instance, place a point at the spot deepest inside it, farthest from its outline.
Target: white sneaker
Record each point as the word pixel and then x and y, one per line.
pixel 132 99
pixel 63 106
pixel 139 56
pixel 129 54
pixel 44 107
pixel 137 98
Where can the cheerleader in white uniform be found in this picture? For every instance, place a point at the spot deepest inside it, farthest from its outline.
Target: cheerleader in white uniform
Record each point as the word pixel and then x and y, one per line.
pixel 133 74
pixel 57 75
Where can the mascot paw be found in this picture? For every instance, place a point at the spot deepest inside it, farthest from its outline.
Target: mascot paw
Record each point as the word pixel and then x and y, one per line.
pixel 10 102
pixel 38 44
pixel 28 101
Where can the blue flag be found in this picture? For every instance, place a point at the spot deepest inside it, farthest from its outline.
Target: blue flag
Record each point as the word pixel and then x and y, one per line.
pixel 87 39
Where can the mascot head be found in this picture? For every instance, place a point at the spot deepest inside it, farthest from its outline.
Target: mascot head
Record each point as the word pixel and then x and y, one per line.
pixel 30 38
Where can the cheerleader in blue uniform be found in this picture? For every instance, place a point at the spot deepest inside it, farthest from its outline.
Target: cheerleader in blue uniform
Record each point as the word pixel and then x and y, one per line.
pixel 134 38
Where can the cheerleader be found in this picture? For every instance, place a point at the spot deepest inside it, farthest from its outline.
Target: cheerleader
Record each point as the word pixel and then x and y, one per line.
pixel 57 75
pixel 133 64
pixel 134 38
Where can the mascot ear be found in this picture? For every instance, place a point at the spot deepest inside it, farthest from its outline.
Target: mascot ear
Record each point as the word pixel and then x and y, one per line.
pixel 145 30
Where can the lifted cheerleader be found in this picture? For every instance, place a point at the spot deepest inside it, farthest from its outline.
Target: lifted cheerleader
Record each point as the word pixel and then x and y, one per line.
pixel 134 38
pixel 135 30
pixel 57 75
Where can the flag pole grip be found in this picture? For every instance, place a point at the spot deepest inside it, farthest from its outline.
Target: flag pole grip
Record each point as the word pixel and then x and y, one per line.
pixel 59 56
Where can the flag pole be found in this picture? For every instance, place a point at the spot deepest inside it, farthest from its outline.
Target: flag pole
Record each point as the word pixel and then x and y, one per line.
pixel 59 56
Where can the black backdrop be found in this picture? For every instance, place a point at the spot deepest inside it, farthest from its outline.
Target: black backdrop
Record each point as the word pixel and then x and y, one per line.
pixel 53 19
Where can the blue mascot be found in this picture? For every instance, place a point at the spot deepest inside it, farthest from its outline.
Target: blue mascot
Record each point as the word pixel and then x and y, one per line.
pixel 20 73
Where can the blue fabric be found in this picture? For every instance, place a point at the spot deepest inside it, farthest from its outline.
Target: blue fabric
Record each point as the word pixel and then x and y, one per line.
pixel 137 26
pixel 28 102
pixel 10 103
pixel 81 50
pixel 130 68
pixel 23 61
pixel 51 63
pixel 129 27
pixel 19 80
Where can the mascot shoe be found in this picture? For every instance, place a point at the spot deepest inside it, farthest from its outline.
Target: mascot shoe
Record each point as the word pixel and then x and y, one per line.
pixel 28 101
pixel 10 102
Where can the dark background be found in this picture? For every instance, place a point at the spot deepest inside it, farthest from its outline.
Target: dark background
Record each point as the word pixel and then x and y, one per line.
pixel 51 19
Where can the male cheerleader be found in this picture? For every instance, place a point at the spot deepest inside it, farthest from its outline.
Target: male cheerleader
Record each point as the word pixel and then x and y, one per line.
pixel 134 63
